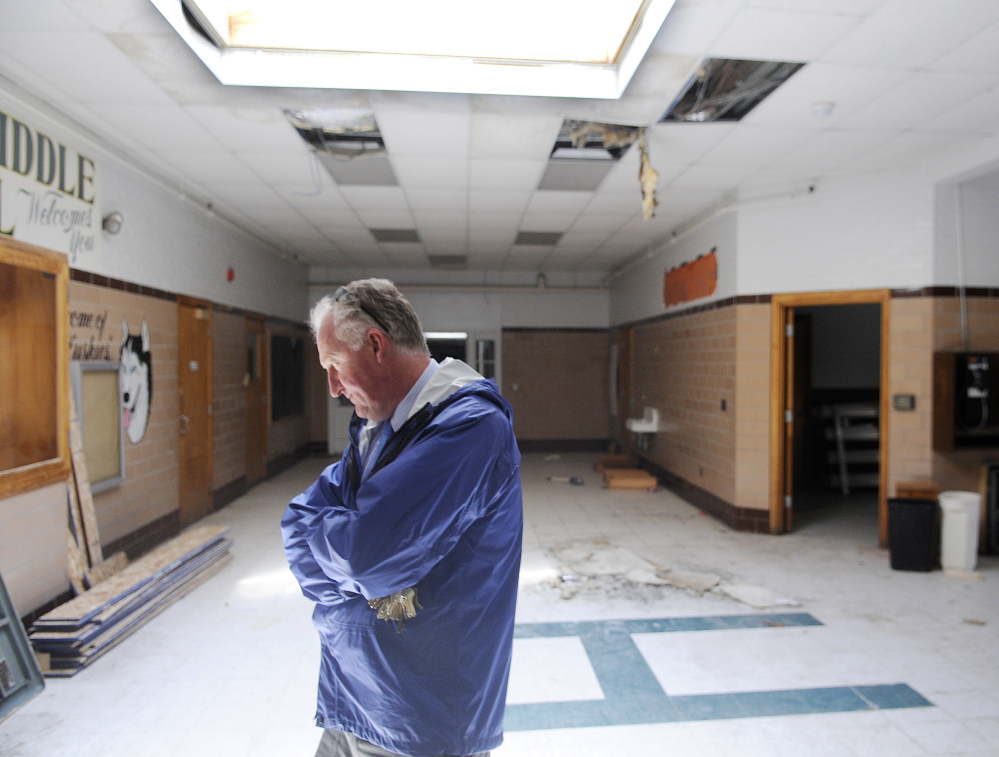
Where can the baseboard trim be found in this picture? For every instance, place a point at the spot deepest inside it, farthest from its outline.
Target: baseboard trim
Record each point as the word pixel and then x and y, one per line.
pixel 736 518
pixel 229 493
pixel 280 464
pixel 563 445
pixel 144 538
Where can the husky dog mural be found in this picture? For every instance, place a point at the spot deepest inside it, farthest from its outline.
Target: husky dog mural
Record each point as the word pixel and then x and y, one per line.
pixel 135 377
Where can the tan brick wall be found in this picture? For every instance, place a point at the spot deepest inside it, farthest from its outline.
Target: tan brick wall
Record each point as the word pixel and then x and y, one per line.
pixel 910 433
pixel 959 469
pixel 228 397
pixel 151 466
pixel 558 383
pixel 752 406
pixel 685 367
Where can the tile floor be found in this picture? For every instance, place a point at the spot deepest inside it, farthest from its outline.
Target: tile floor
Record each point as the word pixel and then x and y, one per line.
pixel 873 662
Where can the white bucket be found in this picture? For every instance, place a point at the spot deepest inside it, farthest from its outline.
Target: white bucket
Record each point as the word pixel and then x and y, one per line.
pixel 959 538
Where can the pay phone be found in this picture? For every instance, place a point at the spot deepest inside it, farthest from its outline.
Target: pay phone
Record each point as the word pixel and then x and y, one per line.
pixel 965 400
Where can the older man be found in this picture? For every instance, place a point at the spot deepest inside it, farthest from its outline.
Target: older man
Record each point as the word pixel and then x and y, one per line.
pixel 410 544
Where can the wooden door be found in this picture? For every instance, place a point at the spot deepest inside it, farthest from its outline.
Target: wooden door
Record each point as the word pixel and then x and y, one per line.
pixel 626 377
pixel 256 400
pixel 194 371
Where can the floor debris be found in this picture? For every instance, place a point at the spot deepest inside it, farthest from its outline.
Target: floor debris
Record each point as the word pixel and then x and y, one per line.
pixel 696 582
pixel 756 596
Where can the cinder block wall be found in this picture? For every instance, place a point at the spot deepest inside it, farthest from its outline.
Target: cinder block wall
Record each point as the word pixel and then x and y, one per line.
pixel 558 382
pixel 684 367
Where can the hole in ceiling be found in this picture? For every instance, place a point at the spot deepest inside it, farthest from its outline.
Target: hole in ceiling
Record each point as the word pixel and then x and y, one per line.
pixel 583 153
pixel 347 142
pixel 723 89
pixel 546 238
pixel 448 261
pixel 395 235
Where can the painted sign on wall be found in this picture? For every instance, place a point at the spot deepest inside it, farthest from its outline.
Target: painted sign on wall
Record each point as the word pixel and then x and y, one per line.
pixel 692 280
pixel 48 191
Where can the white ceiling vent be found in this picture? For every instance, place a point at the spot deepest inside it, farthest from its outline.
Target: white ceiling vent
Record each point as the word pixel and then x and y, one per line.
pixel 395 235
pixel 348 144
pixel 583 154
pixel 723 89
pixel 542 238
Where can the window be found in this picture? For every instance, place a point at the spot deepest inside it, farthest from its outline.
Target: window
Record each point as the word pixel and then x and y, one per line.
pixel 287 376
pixel 34 368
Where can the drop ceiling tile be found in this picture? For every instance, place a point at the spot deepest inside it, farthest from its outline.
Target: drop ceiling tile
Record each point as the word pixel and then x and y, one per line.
pixel 493 237
pixel 752 147
pixel 504 202
pixel 683 144
pixel 980 115
pixel 766 34
pixel 409 259
pixel 911 34
pixel 486 261
pixel 209 166
pixel 618 202
pixel 691 27
pixel 851 7
pixel 433 220
pixel 56 57
pixel 558 202
pixel 435 236
pixel 547 221
pixel 710 177
pixel 847 87
pixel 290 170
pixel 910 149
pixel 121 19
pixel 391 199
pixel 526 258
pixel 574 175
pixel 386 219
pixel 487 220
pixel 506 174
pixel 977 53
pixel 431 173
pixel 248 195
pixel 605 223
pixel 457 247
pixel 830 151
pixel 919 98
pixel 41 16
pixel 412 133
pixel 309 200
pixel 438 200
pixel 581 241
pixel 241 129
pixel 523 137
pixel 336 220
pixel 159 127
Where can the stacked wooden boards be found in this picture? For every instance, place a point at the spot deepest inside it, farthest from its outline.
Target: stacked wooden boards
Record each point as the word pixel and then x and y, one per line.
pixel 622 472
pixel 80 631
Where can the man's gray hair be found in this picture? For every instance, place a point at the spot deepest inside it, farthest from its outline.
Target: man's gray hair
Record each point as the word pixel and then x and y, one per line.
pixel 371 303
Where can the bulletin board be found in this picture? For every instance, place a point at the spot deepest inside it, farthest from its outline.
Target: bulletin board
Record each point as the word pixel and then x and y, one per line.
pixel 97 394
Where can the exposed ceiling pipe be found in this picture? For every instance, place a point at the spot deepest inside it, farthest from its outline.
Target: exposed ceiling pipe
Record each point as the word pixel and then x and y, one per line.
pixel 657 247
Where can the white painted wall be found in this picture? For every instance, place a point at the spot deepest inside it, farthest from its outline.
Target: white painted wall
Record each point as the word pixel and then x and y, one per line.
pixel 168 242
pixel 860 232
pixel 638 293
pixel 978 200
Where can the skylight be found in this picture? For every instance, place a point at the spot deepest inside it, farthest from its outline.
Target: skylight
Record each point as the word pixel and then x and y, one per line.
pixel 589 48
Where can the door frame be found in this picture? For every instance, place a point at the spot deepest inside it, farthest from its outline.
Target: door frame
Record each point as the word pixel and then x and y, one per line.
pixel 781 386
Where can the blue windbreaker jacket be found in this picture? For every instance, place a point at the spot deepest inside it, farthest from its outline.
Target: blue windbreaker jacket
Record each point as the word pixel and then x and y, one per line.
pixel 441 512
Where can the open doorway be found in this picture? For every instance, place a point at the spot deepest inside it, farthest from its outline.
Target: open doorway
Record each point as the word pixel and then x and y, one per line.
pixel 829 399
pixel 837 387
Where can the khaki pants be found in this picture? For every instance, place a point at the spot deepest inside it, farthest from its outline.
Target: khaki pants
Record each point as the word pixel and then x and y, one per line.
pixel 339 744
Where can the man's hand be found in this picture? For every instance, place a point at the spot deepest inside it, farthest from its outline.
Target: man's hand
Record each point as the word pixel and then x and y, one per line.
pixel 398 607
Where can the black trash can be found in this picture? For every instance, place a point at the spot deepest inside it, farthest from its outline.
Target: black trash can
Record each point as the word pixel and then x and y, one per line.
pixel 913 533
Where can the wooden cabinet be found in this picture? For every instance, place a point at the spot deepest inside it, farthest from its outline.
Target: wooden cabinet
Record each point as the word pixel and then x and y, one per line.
pixel 34 367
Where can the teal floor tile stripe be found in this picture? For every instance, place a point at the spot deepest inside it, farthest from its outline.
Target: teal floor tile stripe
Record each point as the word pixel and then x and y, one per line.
pixel 633 696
